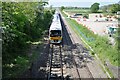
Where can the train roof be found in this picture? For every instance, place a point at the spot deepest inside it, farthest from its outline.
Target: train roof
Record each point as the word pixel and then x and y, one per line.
pixel 56 17
pixel 56 26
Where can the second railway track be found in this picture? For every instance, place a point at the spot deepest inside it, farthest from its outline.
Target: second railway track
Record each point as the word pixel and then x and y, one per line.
pixel 77 50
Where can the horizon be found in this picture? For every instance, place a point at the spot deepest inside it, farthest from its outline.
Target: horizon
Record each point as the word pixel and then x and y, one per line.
pixel 76 3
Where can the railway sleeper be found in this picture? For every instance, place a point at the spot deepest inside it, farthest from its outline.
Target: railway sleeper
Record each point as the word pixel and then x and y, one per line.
pixel 58 72
pixel 55 69
pixel 56 62
pixel 56 66
pixel 55 76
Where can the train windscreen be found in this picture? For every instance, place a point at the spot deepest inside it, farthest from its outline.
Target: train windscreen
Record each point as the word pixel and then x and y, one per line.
pixel 54 33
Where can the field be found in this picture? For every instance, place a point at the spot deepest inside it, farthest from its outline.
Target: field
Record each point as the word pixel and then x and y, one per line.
pixel 85 11
pixel 78 10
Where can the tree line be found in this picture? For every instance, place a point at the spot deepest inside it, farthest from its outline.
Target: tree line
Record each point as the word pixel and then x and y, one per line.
pixel 22 22
pixel 112 8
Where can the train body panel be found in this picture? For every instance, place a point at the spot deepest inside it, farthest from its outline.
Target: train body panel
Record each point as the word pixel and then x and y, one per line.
pixel 55 31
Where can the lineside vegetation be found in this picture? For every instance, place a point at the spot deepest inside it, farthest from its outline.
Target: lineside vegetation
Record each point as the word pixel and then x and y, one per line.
pixel 22 23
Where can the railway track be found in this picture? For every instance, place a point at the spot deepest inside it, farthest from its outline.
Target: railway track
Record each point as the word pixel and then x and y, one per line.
pixel 73 58
pixel 56 63
pixel 78 56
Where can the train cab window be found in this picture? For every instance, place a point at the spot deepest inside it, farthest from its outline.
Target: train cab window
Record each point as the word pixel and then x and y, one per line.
pixel 54 33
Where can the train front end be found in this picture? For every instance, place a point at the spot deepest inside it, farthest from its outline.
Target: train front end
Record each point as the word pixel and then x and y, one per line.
pixel 55 37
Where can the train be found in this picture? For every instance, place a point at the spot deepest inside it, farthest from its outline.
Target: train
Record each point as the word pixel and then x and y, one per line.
pixel 55 30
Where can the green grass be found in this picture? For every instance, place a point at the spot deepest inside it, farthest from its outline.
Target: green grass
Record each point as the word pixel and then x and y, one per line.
pixel 17 67
pixel 14 68
pixel 99 44
pixel 80 10
pixel 87 11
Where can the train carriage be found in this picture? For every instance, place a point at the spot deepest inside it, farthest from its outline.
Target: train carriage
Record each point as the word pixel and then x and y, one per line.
pixel 55 31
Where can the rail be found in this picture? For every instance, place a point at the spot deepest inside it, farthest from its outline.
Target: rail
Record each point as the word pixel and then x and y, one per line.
pixel 55 66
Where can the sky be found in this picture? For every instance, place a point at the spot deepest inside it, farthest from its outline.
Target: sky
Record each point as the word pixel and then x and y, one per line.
pixel 80 3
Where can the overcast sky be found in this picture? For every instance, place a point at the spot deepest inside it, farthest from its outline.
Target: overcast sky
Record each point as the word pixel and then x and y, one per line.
pixel 80 3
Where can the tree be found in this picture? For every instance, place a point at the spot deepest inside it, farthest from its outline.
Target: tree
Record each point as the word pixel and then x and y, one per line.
pixel 104 8
pixel 62 7
pixel 114 8
pixel 95 7
pixel 22 23
pixel 51 7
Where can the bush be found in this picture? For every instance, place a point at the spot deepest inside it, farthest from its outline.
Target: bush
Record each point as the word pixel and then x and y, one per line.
pixel 22 22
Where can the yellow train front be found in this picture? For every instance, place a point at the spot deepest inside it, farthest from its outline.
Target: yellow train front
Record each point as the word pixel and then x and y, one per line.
pixel 55 37
pixel 55 31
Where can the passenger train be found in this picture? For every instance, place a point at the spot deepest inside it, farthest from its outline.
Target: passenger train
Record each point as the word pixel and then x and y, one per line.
pixel 55 31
